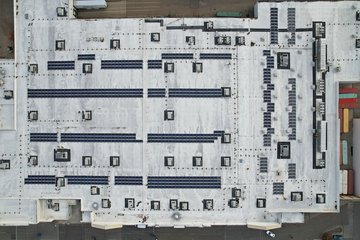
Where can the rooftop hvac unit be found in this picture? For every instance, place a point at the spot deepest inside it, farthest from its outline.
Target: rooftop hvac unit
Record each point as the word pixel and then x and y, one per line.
pixel 208 26
pixel 197 161
pixel 129 203
pixel 33 115
pixel 87 68
pixel 33 68
pixel 94 190
pixel 114 161
pixel 61 12
pixel 223 40
pixel 155 37
pixel 115 44
pixel 90 4
pixel 226 161
pixel 233 203
pixel 105 203
pixel 320 198
pixel 169 161
pixel 169 67
pixel 155 205
pixel 8 94
pixel 197 67
pixel 33 160
pixel 261 203
pixel 190 40
pixel 53 206
pixel 169 115
pixel 173 204
pixel 87 115
pixel 4 164
pixel 60 181
pixel 236 192
pixel 226 91
pixel 226 138
pixel 296 196
pixel 321 55
pixel 87 161
pixel 60 45
pixel 184 206
pixel 239 41
pixel 208 204
pixel 62 155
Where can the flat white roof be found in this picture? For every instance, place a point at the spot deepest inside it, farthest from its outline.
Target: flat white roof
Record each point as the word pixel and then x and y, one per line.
pixel 252 111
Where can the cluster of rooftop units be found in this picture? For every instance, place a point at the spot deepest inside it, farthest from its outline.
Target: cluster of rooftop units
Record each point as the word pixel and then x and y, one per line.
pixel 164 122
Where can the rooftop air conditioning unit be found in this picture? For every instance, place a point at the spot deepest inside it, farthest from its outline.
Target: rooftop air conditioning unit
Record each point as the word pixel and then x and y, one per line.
pixel 61 12
pixel 60 45
pixel 4 164
pixel 33 68
pixel 87 68
pixel 115 44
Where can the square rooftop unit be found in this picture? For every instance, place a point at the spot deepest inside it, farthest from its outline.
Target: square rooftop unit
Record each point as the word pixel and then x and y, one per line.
pixel 96 118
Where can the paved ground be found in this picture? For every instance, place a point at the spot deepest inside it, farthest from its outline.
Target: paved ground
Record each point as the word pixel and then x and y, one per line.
pixel 315 225
pixel 6 27
pixel 169 8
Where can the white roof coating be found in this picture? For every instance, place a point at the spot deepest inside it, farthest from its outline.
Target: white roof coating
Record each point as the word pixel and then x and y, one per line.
pixel 260 111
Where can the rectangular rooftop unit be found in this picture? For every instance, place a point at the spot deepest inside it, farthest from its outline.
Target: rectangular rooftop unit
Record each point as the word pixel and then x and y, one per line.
pixel 90 4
